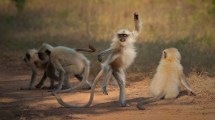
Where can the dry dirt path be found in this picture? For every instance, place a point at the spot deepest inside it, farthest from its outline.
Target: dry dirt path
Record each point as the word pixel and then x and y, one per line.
pixel 39 104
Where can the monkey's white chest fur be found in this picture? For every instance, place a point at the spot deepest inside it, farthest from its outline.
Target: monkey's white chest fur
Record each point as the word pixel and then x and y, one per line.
pixel 127 56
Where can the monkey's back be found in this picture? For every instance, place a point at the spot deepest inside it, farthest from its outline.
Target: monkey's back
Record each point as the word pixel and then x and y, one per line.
pixel 69 58
pixel 165 81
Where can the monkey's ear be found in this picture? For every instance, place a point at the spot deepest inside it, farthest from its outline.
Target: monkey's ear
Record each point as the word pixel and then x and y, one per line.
pixel 164 54
pixel 48 52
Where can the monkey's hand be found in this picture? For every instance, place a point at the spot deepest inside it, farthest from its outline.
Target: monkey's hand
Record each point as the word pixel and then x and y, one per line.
pixel 92 48
pixel 136 17
pixel 99 57
pixel 191 93
pixel 38 85
pixel 140 107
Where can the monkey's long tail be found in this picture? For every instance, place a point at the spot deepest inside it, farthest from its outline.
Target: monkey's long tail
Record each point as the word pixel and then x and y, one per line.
pixel 90 49
pixel 60 101
pixel 141 104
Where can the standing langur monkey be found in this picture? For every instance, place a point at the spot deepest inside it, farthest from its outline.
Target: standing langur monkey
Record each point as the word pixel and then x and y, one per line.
pixel 165 83
pixel 121 55
pixel 67 61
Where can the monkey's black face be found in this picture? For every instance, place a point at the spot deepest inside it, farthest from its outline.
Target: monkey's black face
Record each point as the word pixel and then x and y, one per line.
pixel 27 57
pixel 41 55
pixel 44 56
pixel 122 37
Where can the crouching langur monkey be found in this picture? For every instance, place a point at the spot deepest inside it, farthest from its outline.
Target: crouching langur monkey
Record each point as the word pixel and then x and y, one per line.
pixel 166 81
pixel 67 61
pixel 32 60
pixel 121 55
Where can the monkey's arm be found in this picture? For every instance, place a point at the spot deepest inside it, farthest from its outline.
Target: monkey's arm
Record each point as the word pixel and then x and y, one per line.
pixel 186 84
pixel 137 25
pixel 61 74
pixel 42 81
pixel 107 51
pixel 33 78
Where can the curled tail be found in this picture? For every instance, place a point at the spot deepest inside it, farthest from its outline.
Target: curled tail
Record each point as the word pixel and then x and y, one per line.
pixel 89 49
pixel 141 104
pixel 60 101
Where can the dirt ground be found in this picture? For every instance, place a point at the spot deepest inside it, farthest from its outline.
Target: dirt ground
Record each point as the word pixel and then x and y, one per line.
pixel 39 104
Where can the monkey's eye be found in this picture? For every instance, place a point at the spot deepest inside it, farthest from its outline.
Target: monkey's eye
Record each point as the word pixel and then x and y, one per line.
pixel 122 35
pixel 125 35
pixel 28 57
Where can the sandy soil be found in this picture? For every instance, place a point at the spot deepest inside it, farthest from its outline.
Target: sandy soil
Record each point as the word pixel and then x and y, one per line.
pixel 39 104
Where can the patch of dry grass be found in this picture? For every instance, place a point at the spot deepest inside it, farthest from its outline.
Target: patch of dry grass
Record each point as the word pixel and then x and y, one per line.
pixel 187 25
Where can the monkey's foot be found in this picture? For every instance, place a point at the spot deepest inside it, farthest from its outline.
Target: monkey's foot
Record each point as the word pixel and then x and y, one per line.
pixel 124 105
pixel 38 85
pixel 104 90
pixel 140 107
pixel 191 93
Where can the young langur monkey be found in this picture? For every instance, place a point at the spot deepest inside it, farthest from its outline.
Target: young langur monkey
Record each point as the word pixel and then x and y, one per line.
pixel 32 60
pixel 121 55
pixel 67 61
pixel 166 81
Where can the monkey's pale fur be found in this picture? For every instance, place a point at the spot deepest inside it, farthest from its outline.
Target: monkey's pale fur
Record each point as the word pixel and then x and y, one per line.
pixel 166 81
pixel 121 55
pixel 32 59
pixel 67 61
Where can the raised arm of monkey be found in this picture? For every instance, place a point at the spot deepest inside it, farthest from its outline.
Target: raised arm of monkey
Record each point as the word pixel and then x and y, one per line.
pixel 67 61
pixel 121 55
pixel 165 83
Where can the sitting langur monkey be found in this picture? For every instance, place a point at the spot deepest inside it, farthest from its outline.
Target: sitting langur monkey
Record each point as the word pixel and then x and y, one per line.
pixel 165 83
pixel 121 55
pixel 67 61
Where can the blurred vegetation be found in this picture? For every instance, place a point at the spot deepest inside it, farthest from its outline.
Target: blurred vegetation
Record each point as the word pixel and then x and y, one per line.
pixel 185 24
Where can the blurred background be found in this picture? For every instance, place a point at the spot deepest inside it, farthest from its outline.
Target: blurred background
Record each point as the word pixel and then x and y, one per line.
pixel 188 25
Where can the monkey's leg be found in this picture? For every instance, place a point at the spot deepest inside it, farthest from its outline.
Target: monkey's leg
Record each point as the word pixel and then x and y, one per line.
pixel 66 83
pixel 61 80
pixel 107 76
pixel 33 78
pixel 120 77
pixel 51 84
pixel 39 85
pixel 186 85
pixel 80 78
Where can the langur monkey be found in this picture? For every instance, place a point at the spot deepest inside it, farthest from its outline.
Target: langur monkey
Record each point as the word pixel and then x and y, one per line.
pixel 67 61
pixel 165 83
pixel 121 55
pixel 32 60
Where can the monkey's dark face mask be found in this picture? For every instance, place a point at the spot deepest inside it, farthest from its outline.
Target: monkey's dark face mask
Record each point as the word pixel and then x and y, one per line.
pixel 27 57
pixel 122 37
pixel 44 56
